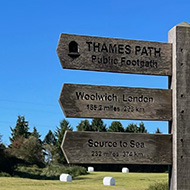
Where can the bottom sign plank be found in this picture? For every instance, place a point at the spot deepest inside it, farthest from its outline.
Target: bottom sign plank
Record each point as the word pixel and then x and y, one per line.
pixel 114 148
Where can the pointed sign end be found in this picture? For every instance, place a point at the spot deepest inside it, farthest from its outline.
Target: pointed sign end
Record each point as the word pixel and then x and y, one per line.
pixel 62 146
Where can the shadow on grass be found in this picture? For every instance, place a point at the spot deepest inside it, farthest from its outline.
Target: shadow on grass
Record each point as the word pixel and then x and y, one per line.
pixel 34 176
pixel 22 174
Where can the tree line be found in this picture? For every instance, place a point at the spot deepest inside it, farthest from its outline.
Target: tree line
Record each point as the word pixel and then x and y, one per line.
pixel 28 148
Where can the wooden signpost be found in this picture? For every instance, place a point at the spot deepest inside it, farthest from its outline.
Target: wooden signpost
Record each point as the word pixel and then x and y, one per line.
pixel 91 101
pixel 114 55
pixel 113 148
pixel 179 36
pixel 131 56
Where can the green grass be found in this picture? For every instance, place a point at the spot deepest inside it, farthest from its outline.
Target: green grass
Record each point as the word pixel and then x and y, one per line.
pixel 158 186
pixel 93 181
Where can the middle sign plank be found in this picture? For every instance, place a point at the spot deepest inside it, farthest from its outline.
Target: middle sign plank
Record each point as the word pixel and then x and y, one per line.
pixel 110 102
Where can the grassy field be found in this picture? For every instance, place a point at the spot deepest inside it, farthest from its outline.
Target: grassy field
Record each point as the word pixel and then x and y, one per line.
pixel 93 181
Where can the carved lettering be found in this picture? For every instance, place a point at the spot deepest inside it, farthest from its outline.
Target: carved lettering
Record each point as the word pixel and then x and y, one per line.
pixel 123 49
pixel 89 45
pixel 104 48
pixel 137 144
pixel 147 51
pixel 104 60
pixel 122 144
pixel 96 47
pixel 141 98
pixel 157 52
pixel 130 148
pixel 102 144
pixel 124 62
pixel 96 97
pixel 127 49
pixel 112 48
pixel 120 49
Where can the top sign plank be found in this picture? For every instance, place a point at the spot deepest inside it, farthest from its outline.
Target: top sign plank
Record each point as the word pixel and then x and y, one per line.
pixel 114 55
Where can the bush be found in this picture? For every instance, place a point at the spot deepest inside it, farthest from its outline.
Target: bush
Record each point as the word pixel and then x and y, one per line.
pixel 29 150
pixel 50 172
pixel 159 186
pixel 3 174
pixel 57 170
pixel 7 162
pixel 76 171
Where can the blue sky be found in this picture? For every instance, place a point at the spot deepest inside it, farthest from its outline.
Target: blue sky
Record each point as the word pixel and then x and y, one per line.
pixel 31 76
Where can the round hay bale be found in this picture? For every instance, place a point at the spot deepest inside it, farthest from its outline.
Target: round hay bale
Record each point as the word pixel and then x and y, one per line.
pixel 109 181
pixel 90 169
pixel 65 177
pixel 125 170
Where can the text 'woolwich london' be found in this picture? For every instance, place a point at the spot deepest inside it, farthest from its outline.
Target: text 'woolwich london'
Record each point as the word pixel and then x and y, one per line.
pixel 91 101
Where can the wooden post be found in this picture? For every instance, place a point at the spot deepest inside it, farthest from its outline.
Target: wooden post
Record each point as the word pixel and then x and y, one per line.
pixel 179 36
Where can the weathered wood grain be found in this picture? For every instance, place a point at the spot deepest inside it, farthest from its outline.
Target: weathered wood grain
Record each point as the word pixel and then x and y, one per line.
pixel 113 148
pixel 114 55
pixel 110 102
pixel 179 36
